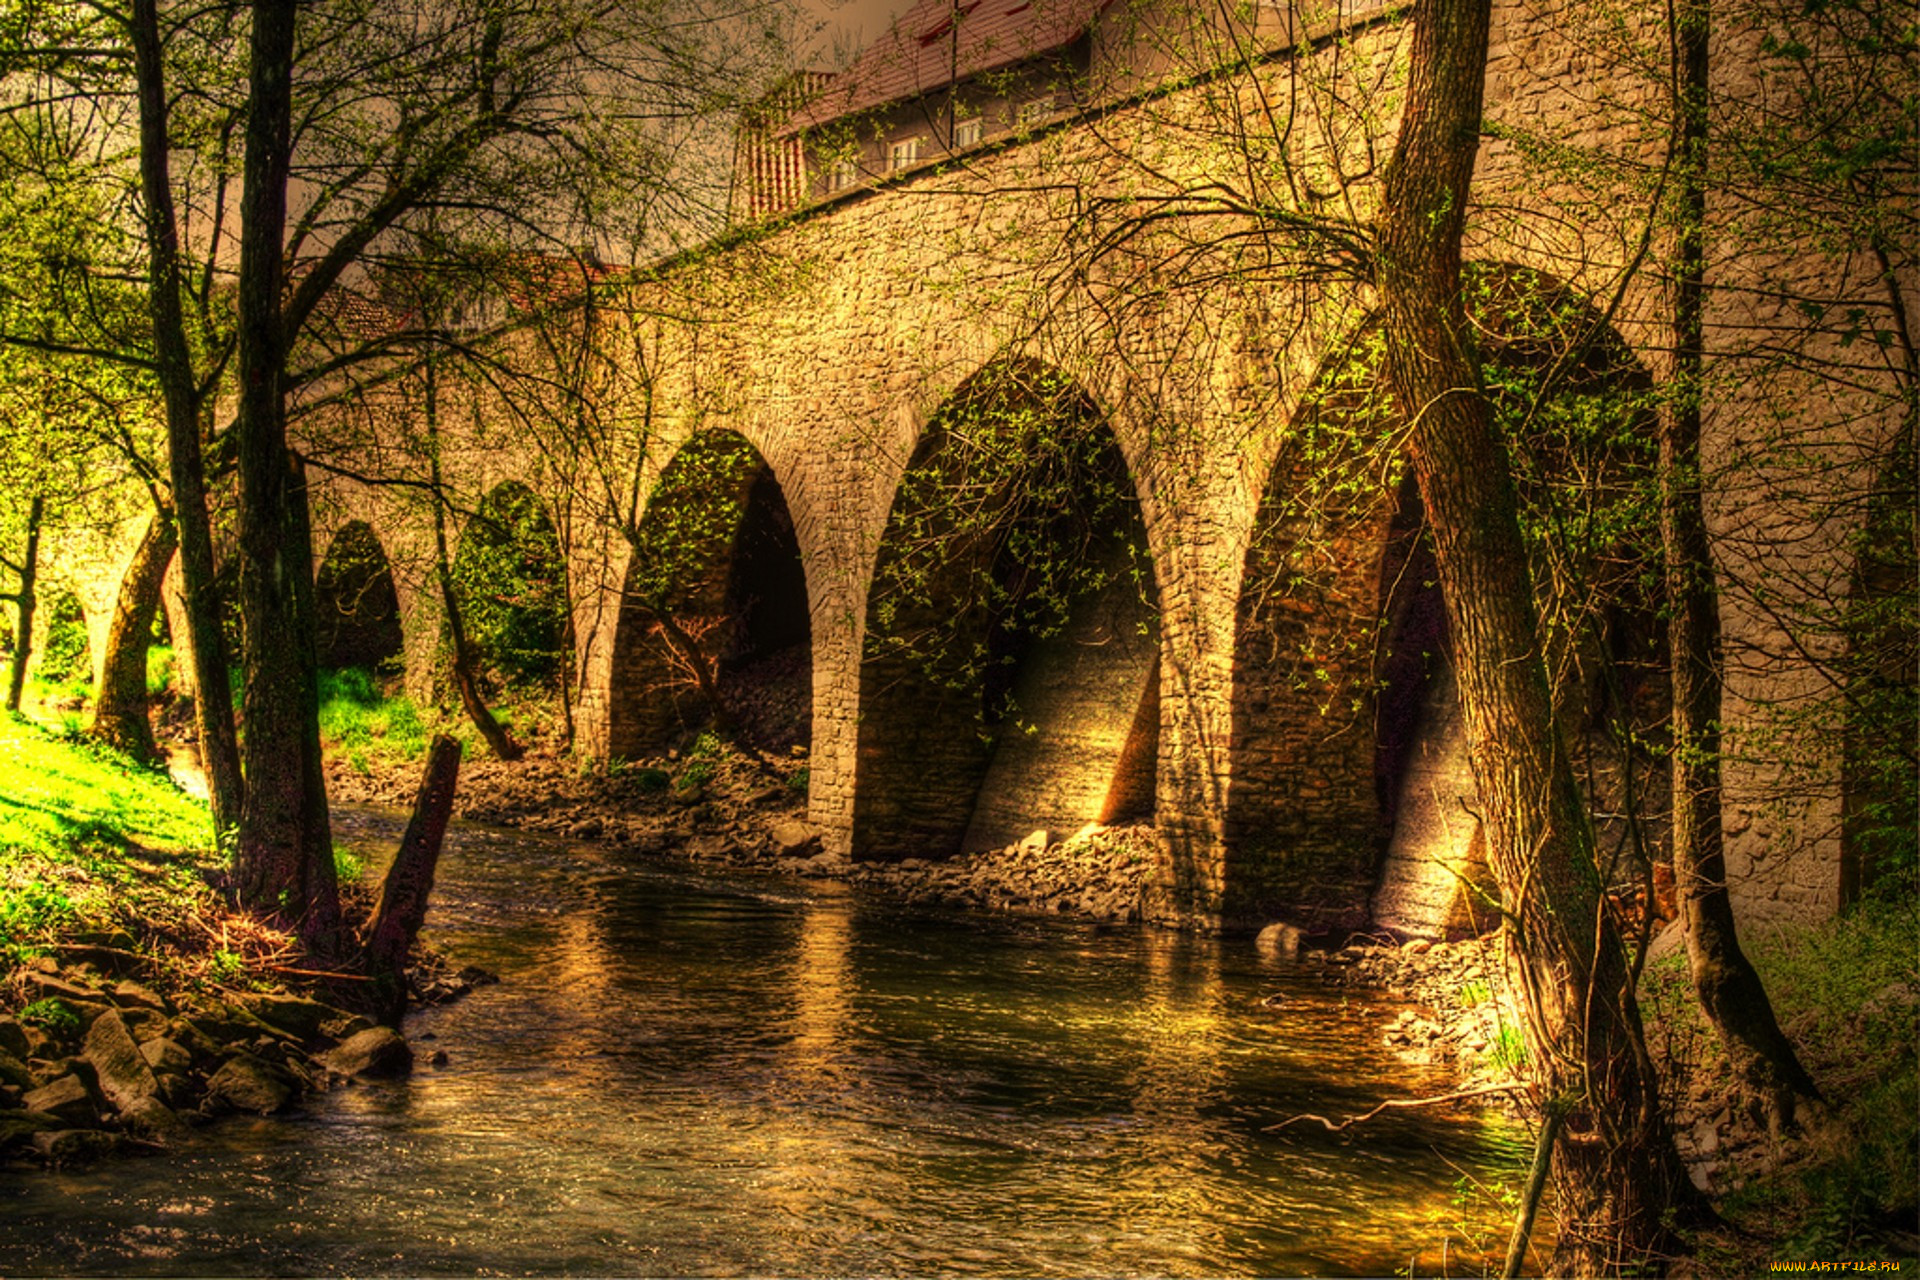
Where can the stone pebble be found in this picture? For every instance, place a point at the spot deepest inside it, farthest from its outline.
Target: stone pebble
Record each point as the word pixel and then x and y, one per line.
pixel 118 1068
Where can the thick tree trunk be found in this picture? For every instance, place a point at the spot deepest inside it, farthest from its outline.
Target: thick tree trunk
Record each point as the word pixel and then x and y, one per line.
pixel 402 908
pixel 1729 990
pixel 24 601
pixel 1617 1177
pixel 284 862
pixel 120 705
pixel 206 646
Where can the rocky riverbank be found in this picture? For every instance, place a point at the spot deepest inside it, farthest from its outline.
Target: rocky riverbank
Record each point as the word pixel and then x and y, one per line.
pixel 94 1066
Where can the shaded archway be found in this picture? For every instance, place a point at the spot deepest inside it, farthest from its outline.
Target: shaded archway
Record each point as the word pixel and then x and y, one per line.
pixel 509 581
pixel 356 607
pixel 1010 680
pixel 1351 799
pixel 714 622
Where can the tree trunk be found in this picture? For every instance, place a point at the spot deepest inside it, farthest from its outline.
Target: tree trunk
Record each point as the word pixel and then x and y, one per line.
pixel 206 647
pixel 1617 1177
pixel 465 683
pixel 24 601
pixel 1729 990
pixel 120 704
pixel 284 862
pixel 402 907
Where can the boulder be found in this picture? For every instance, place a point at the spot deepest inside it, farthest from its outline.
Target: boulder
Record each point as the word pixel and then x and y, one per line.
pixel 18 1127
pixel 168 1057
pixel 67 1097
pixel 14 1072
pixel 377 1051
pixel 131 995
pixel 1036 842
pixel 13 1039
pixel 793 839
pixel 123 1071
pixel 60 1147
pixel 247 1083
pixel 296 1016
pixel 151 1118
pixel 48 986
pixel 1279 941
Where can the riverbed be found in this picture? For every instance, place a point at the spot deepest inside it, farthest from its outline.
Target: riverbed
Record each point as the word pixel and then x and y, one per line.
pixel 690 1073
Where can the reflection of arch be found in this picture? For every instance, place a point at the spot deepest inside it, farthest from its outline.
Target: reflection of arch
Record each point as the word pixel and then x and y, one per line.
pixel 356 608
pixel 1010 680
pixel 1351 796
pixel 509 578
pixel 714 609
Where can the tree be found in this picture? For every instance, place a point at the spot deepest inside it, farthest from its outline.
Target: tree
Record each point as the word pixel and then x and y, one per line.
pixel 593 102
pixel 1618 1178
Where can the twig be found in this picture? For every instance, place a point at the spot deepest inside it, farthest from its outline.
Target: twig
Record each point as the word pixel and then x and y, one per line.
pixel 1536 1183
pixel 316 973
pixel 1400 1104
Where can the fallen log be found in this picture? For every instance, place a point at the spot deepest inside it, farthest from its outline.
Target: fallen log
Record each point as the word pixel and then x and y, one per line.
pixel 402 906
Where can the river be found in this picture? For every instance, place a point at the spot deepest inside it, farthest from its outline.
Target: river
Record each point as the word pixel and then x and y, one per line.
pixel 689 1074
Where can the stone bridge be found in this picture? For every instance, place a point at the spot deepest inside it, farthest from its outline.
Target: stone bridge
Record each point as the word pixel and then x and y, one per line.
pixel 1271 693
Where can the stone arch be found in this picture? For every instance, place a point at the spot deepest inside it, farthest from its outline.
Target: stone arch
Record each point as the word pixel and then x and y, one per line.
pixel 510 579
pixel 714 622
pixel 1351 799
pixel 1010 676
pixel 356 604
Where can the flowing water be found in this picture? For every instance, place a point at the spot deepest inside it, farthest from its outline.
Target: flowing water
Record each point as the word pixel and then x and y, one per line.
pixel 684 1074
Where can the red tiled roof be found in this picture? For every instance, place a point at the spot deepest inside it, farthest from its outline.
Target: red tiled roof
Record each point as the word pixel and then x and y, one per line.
pixel 941 42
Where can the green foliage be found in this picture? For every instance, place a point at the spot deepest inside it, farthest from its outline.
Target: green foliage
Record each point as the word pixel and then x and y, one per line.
pixel 692 517
pixel 63 656
pixel 1016 509
pixel 799 779
pixel 160 670
pixel 53 1013
pixel 510 581
pixel 651 779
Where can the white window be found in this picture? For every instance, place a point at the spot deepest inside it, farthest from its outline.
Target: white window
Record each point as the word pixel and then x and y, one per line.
pixel 842 174
pixel 1032 113
pixel 968 133
pixel 904 154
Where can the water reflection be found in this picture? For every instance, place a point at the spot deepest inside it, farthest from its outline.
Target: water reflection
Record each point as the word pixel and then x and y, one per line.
pixel 689 1076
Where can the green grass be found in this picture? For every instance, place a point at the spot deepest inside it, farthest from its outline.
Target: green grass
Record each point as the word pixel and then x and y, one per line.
pixel 71 814
pixel 366 726
pixel 1845 993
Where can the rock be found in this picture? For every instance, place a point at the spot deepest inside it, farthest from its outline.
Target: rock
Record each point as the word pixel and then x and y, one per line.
pixel 1416 947
pixel 377 1051
pixel 589 829
pixel 709 847
pixel 793 839
pixel 61 1147
pixel 175 1090
pixel 144 1024
pixel 122 1070
pixel 47 986
pixel 344 1025
pixel 167 1057
pixel 1279 941
pixel 1036 842
pixel 13 1039
pixel 67 1097
pixel 14 1072
pixel 151 1118
pixel 248 1083
pixel 297 1016
pixel 18 1127
pixel 131 995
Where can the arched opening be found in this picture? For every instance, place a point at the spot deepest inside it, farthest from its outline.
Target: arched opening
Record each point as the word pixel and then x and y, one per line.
pixel 1011 679
pixel 356 608
pixel 1352 799
pixel 509 581
pixel 714 623
pixel 65 651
